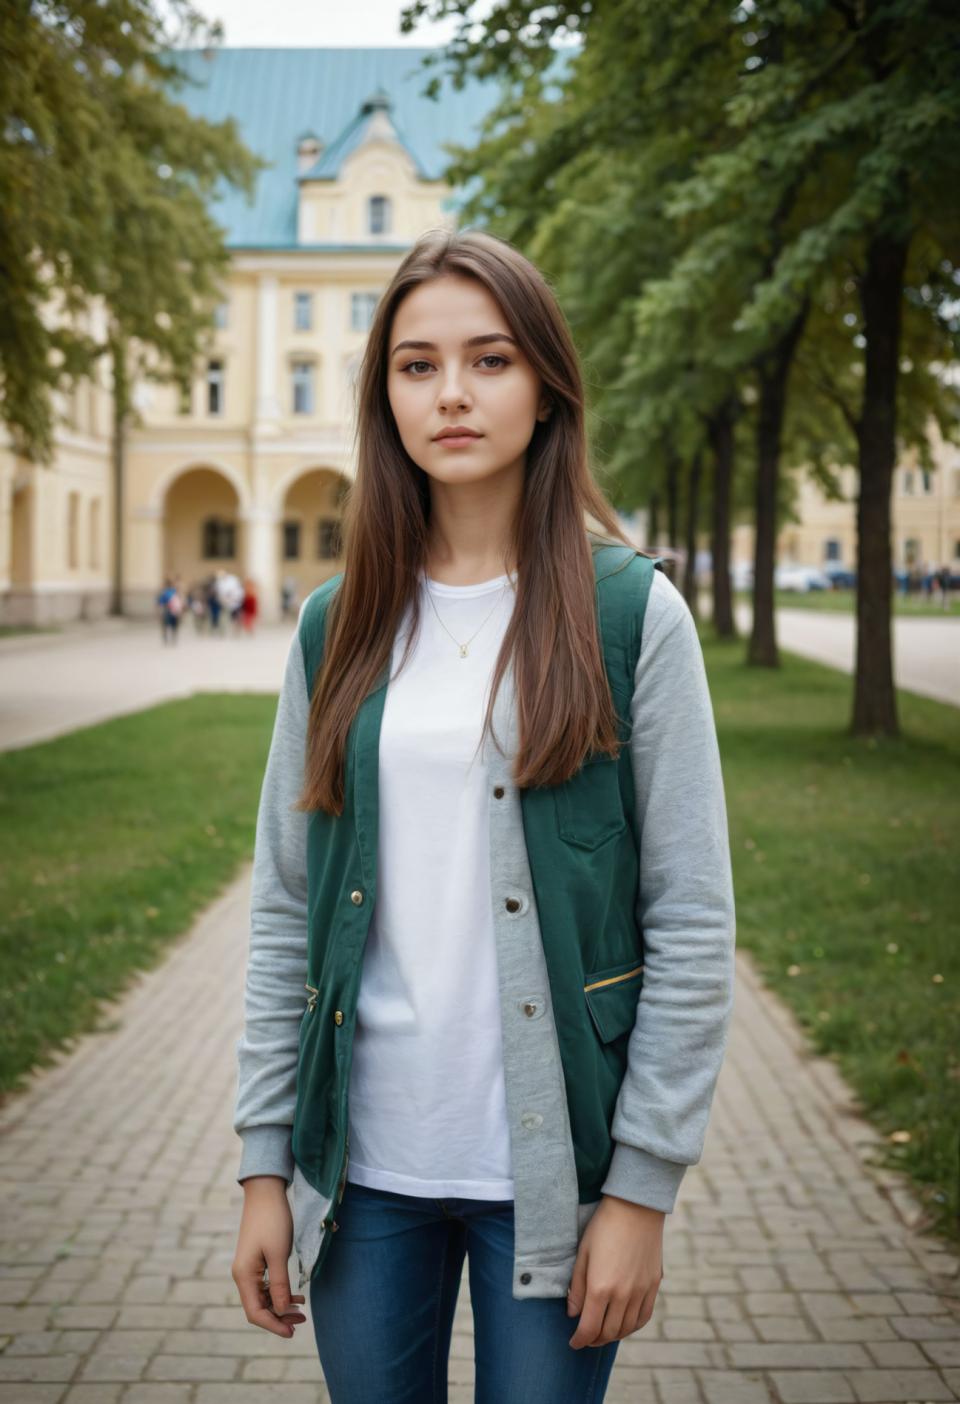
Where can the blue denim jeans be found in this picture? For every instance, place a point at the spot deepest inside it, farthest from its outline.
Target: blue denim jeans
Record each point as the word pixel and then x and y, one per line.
pixel 383 1299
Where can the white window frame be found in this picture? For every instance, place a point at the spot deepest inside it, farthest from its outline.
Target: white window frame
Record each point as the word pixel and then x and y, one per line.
pixel 363 304
pixel 303 310
pixel 384 205
pixel 216 387
pixel 303 383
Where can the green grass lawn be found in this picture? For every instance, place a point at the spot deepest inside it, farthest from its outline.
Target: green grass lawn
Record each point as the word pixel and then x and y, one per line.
pixel 114 837
pixel 845 602
pixel 845 857
pixel 844 851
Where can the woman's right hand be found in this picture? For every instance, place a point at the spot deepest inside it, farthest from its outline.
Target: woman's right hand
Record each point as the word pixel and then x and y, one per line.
pixel 264 1241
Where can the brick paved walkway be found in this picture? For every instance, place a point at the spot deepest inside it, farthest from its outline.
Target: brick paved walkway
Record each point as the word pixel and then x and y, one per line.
pixel 790 1274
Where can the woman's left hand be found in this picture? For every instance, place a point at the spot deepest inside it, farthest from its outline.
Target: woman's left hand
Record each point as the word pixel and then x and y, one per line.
pixel 617 1273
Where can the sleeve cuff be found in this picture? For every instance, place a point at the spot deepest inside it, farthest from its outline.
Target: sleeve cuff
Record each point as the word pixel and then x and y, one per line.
pixel 643 1178
pixel 266 1151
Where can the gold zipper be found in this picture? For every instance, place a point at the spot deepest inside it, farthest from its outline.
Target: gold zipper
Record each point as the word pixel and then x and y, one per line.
pixel 613 980
pixel 312 999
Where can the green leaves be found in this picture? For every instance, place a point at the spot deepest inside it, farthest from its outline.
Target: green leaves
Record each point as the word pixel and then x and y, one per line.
pixel 104 179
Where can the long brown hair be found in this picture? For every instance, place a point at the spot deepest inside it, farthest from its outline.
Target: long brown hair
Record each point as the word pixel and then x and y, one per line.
pixel 564 703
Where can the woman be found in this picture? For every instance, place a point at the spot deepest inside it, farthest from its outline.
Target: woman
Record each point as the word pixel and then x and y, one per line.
pixel 484 1021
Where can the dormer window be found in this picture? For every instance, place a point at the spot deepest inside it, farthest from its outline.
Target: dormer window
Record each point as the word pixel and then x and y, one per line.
pixel 378 214
pixel 309 148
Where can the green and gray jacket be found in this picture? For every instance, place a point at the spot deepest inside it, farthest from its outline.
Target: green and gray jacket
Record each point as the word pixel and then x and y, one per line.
pixel 614 924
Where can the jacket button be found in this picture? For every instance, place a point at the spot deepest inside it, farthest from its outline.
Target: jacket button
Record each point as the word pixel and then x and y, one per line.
pixel 338 1016
pixel 498 792
pixel 529 1010
pixel 512 905
pixel 524 1278
pixel 356 897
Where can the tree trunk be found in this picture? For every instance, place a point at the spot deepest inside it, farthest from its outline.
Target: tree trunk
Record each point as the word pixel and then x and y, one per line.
pixel 673 490
pixel 693 511
pixel 720 431
pixel 653 521
pixel 773 373
pixel 881 296
pixel 117 455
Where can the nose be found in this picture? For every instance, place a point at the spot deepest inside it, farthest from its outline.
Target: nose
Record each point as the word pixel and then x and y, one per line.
pixel 452 393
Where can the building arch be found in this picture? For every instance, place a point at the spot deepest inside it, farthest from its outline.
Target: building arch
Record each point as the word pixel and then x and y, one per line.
pixel 166 480
pixel 309 541
pixel 202 525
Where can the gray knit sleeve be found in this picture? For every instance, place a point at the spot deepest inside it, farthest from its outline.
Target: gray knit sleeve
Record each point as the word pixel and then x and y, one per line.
pixel 274 996
pixel 685 908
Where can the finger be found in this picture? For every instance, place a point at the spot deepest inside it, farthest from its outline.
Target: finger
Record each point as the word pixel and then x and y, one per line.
pixel 279 1283
pixel 633 1316
pixel 577 1292
pixel 591 1320
pixel 612 1322
pixel 254 1300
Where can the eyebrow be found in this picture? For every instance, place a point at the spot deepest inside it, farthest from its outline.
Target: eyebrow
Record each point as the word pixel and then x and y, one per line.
pixel 483 340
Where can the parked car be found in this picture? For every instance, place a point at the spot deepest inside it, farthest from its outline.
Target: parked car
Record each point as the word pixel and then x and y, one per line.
pixel 800 578
pixel 841 577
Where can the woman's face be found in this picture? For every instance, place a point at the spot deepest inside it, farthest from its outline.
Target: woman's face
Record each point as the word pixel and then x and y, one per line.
pixel 443 382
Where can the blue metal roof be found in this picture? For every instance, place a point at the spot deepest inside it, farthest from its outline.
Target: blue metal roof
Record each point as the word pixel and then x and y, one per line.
pixel 279 95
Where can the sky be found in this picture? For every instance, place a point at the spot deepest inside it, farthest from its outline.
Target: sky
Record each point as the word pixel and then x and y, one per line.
pixel 321 24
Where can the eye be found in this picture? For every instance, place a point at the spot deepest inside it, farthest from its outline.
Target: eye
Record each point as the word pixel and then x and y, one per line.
pixel 493 356
pixel 411 364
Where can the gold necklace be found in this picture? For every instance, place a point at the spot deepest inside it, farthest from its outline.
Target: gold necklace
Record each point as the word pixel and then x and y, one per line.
pixel 463 646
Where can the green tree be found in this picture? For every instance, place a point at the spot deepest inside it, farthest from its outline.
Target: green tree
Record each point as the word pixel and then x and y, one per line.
pixel 834 161
pixel 105 181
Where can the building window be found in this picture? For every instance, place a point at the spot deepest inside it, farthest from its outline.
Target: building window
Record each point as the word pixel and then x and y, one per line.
pixel 927 478
pixel 219 540
pixel 94 530
pixel 329 545
pixel 362 307
pixel 215 387
pixel 291 541
pixel 303 311
pixel 185 400
pixel 831 549
pixel 73 530
pixel 956 549
pixel 302 376
pixel 220 315
pixel 911 551
pixel 379 214
pixel 908 481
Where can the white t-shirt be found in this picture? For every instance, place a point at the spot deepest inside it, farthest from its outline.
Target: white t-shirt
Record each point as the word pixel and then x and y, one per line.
pixel 427 1107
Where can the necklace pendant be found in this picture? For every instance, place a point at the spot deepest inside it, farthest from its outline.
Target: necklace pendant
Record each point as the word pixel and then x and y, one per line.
pixel 463 650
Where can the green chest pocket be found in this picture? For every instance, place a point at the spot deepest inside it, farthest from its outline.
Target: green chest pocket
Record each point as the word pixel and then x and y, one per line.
pixel 589 805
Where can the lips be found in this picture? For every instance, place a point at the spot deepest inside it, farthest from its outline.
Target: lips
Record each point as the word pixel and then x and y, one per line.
pixel 457 433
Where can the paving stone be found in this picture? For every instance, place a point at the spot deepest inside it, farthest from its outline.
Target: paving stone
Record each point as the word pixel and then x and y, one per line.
pixel 157 1394
pixel 40 1369
pixel 676 1387
pixel 893 1386
pixel 812 1387
pixel 732 1387
pixel 32 1393
pixel 192 1367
